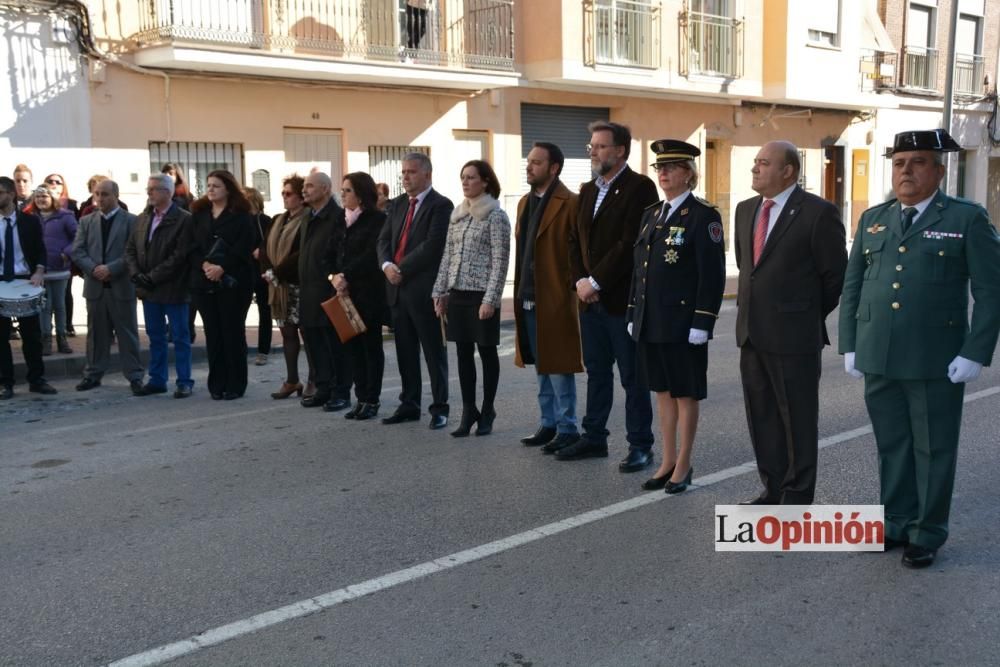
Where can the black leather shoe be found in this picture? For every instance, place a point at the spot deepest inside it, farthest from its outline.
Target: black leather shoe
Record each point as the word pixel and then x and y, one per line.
pixel 438 422
pixel 399 416
pixel 135 386
pixel 367 411
pixel 315 401
pixel 635 460
pixel 86 384
pixel 230 395
pixel 678 487
pixel 353 412
pixel 336 405
pixel 470 415
pixel 486 422
pixel 42 388
pixel 582 449
pixel 916 557
pixel 657 483
pixel 216 396
pixel 759 500
pixel 149 390
pixel 6 393
pixel 542 436
pixel 182 391
pixel 561 441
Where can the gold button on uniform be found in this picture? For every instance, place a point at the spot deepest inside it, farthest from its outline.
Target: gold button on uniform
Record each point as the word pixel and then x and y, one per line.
pixel 895 286
pixel 941 253
pixel 899 267
pixel 895 305
pixel 902 248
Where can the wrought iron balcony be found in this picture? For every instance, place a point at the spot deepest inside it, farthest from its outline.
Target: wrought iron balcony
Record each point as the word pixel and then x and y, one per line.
pixel 711 45
pixel 968 74
pixel 920 67
pixel 878 70
pixel 623 32
pixel 472 34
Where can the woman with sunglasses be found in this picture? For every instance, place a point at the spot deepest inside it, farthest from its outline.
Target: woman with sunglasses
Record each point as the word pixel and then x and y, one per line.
pixel 58 232
pixel 57 184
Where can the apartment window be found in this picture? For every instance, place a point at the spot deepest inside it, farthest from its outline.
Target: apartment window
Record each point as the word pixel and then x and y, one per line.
pixel 969 61
pixel 624 32
pixel 197 159
pixel 711 40
pixel 309 149
pixel 919 54
pixel 385 164
pixel 824 22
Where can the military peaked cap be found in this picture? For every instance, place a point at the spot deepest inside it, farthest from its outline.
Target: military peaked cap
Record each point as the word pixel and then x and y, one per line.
pixel 923 140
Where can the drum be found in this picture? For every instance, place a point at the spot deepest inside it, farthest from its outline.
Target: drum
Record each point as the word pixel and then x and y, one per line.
pixel 19 298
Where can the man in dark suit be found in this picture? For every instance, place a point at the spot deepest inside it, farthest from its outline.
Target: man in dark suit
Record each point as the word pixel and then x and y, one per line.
pixel 323 230
pixel 99 251
pixel 904 325
pixel 22 255
pixel 791 253
pixel 600 251
pixel 409 251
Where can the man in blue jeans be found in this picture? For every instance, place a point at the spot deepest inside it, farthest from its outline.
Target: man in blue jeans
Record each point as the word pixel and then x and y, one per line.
pixel 546 311
pixel 600 254
pixel 158 258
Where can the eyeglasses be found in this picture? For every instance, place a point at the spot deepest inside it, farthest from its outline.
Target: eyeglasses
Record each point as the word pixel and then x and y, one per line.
pixel 288 193
pixel 53 181
pixel 599 147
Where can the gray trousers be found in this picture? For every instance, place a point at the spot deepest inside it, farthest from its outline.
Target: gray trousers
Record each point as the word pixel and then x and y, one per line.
pixel 103 313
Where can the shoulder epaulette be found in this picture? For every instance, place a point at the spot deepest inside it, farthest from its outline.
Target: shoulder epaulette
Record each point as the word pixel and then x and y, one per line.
pixel 706 202
pixel 655 204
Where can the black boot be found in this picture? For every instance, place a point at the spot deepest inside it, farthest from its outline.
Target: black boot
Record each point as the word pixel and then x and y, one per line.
pixel 470 415
pixel 486 421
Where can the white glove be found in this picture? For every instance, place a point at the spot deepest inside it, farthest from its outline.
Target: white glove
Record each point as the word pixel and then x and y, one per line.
pixel 628 327
pixel 697 337
pixel 963 370
pixel 849 366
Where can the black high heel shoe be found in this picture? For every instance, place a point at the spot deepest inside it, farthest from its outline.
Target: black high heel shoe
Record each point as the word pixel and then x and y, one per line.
pixel 657 483
pixel 677 487
pixel 486 422
pixel 470 415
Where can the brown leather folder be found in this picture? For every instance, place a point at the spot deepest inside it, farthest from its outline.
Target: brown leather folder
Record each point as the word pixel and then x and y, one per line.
pixel 344 317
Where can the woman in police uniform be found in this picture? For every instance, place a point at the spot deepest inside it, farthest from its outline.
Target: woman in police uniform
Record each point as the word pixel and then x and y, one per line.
pixel 677 284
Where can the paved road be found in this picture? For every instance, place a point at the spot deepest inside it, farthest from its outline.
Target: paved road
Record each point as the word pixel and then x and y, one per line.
pixel 131 524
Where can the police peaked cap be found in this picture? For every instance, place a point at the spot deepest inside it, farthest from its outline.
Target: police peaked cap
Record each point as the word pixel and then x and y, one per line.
pixel 668 151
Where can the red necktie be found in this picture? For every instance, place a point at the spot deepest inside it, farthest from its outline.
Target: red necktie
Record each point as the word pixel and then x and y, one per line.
pixel 397 259
pixel 760 231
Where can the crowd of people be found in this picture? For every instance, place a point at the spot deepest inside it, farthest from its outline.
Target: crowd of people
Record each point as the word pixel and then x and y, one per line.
pixel 611 276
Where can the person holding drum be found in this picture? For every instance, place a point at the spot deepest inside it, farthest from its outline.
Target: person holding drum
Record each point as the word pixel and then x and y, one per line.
pixel 22 272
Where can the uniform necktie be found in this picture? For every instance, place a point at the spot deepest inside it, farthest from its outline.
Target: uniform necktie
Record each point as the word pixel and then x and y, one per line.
pixel 760 231
pixel 397 259
pixel 8 250
pixel 664 214
pixel 909 213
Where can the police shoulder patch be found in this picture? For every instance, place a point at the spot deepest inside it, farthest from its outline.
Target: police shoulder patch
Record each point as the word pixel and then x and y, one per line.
pixel 715 231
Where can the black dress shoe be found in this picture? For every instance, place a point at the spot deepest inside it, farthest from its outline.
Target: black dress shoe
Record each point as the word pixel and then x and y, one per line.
pixel 42 388
pixel 231 395
pixel 149 390
pixel 542 436
pixel 635 460
pixel 353 412
pixel 398 417
pixel 86 384
pixel 182 391
pixel 486 422
pixel 657 483
pixel 470 415
pixel 135 386
pixel 438 422
pixel 759 500
pixel 336 405
pixel 678 487
pixel 916 557
pixel 317 400
pixel 582 449
pixel 367 411
pixel 216 396
pixel 6 393
pixel 561 441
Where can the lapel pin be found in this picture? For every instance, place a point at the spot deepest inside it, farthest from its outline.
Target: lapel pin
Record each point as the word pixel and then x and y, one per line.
pixel 791 212
pixel 684 211
pixel 616 191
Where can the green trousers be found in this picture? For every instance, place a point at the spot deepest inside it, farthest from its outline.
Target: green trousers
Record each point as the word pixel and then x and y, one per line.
pixel 916 424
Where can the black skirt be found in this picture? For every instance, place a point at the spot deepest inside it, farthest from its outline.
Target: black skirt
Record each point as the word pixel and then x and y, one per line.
pixel 464 325
pixel 680 368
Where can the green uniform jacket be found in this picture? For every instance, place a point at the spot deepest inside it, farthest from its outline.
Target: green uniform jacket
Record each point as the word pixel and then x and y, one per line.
pixel 904 309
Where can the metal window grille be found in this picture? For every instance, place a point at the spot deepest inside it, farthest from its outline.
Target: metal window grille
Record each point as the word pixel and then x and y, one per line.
pixel 385 164
pixel 711 44
pixel 197 159
pixel 968 74
pixel 624 32
pixel 920 67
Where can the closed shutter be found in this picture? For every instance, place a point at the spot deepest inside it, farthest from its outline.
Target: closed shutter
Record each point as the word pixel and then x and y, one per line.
pixel 308 149
pixel 197 159
pixel 385 164
pixel 566 127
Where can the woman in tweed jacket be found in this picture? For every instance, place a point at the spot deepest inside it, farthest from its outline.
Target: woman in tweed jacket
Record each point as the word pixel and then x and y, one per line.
pixel 469 287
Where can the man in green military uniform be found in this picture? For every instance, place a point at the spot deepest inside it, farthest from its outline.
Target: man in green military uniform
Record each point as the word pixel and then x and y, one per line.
pixel 904 324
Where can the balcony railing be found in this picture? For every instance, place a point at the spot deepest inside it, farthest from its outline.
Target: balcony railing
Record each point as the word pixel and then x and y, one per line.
pixel 623 32
pixel 920 68
pixel 878 70
pixel 476 34
pixel 711 45
pixel 968 74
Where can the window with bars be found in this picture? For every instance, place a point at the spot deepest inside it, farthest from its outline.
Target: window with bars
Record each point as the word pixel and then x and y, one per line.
pixel 197 159
pixel 385 163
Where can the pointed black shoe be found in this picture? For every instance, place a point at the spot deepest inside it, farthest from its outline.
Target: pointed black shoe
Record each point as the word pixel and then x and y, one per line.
pixel 678 487
pixel 635 460
pixel 367 411
pixel 486 422
pixel 561 441
pixel 470 415
pixel 657 483
pixel 542 436
pixel 917 557
pixel 582 449
pixel 353 412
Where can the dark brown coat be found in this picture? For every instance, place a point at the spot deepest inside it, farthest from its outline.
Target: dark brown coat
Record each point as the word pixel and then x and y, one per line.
pixel 166 258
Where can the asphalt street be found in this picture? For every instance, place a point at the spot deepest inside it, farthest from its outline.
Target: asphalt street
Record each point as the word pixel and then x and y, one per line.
pixel 132 524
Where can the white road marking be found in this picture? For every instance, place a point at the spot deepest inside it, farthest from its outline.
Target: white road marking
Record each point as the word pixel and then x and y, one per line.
pixel 302 608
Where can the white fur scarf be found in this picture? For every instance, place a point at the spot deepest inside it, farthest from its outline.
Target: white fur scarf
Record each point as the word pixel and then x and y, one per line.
pixel 479 208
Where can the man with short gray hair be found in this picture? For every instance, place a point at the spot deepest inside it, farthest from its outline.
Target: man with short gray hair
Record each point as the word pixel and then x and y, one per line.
pixel 158 256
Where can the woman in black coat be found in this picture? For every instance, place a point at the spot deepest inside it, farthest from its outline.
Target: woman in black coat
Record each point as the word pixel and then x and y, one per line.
pixel 222 280
pixel 357 274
